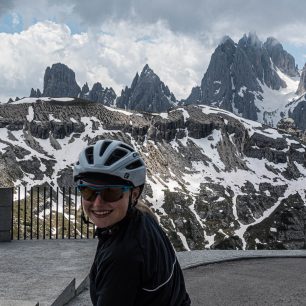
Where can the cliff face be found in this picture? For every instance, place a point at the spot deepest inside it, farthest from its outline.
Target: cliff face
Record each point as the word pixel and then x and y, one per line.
pixel 281 58
pixel 302 85
pixel 235 74
pixel 214 180
pixel 147 93
pixel 59 81
pixel 254 80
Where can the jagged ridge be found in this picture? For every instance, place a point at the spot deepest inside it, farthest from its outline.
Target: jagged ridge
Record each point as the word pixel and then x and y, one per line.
pixel 215 180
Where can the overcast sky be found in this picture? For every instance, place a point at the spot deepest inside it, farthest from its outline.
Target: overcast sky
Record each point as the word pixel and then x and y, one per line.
pixel 110 40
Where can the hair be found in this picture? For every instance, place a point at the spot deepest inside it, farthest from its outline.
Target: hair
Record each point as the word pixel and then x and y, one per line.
pixel 145 209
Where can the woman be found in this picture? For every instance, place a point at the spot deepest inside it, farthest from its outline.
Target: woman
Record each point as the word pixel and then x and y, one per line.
pixel 135 263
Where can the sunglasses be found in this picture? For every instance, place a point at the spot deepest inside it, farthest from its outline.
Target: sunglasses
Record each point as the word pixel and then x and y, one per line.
pixel 108 193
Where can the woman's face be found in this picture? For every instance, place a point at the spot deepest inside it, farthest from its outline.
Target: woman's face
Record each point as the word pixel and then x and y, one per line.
pixel 104 214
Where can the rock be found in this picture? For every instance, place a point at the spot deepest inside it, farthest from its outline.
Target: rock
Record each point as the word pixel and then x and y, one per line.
pixel 65 178
pixel 54 143
pixel 105 96
pixel 284 229
pixel 236 72
pixel 84 91
pixel 35 93
pixel 147 93
pixel 176 206
pixel 302 85
pixel 298 114
pixel 204 179
pixel 228 243
pixel 59 81
pixel 281 58
pixel 288 125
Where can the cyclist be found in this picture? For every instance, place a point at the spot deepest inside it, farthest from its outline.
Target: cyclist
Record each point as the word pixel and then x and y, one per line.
pixel 135 263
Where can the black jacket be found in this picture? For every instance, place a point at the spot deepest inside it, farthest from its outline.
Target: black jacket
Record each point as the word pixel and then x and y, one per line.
pixel 135 264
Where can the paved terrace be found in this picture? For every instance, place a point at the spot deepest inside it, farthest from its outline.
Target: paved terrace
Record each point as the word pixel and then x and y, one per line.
pixel 52 272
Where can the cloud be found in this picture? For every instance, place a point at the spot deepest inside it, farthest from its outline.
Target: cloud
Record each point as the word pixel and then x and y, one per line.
pixel 5 6
pixel 111 56
pixel 108 41
pixel 194 16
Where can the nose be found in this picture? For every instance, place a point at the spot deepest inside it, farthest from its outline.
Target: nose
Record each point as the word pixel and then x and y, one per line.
pixel 98 200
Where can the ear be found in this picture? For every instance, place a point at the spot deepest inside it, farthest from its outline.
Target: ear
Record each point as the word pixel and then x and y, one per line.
pixel 135 194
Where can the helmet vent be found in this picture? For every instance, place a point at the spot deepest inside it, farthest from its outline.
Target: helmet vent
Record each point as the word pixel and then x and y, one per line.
pixel 89 155
pixel 104 147
pixel 134 165
pixel 116 155
pixel 127 147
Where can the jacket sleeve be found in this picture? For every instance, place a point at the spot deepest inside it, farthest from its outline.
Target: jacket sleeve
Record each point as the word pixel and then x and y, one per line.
pixel 118 280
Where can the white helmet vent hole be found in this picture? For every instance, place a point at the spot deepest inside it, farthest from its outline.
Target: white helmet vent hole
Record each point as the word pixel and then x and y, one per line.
pixel 115 156
pixel 134 165
pixel 127 147
pixel 104 147
pixel 89 155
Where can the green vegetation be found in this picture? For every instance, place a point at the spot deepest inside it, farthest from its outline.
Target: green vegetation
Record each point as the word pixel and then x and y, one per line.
pixel 36 222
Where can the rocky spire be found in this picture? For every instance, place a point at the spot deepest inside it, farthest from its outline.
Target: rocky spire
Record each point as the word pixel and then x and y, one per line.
pixel 105 96
pixel 35 93
pixel 235 76
pixel 84 91
pixel 147 93
pixel 260 61
pixel 302 85
pixel 59 81
pixel 281 58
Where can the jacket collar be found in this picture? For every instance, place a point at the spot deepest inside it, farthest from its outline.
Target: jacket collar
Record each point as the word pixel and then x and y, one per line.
pixel 106 232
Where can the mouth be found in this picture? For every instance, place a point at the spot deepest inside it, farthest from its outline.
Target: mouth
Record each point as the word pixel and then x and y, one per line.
pixel 101 213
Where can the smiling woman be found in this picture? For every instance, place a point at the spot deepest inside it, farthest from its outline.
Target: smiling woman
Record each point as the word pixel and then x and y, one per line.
pixel 135 263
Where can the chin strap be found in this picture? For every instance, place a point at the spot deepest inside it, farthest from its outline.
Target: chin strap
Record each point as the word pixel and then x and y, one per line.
pixel 131 203
pixel 84 219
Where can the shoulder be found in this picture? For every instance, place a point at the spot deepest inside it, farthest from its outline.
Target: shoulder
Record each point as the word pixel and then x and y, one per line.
pixel 150 237
pixel 144 223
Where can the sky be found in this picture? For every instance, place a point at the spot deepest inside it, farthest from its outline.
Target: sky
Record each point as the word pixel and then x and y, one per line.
pixel 109 41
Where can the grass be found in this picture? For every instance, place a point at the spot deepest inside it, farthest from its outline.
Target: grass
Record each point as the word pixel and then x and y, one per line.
pixel 32 218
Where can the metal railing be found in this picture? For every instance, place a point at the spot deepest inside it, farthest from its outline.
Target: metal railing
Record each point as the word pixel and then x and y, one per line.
pixel 48 213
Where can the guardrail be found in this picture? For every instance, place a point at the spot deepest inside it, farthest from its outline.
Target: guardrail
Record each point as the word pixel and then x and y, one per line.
pixel 42 213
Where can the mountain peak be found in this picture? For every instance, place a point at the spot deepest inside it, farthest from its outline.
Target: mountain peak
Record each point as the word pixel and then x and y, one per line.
pixel 281 58
pixel 147 93
pixel 59 81
pixel 302 85
pixel 147 71
pixel 226 39
pixel 251 40
pixel 271 41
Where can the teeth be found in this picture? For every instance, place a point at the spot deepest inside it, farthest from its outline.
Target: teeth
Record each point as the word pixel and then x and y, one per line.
pixel 102 213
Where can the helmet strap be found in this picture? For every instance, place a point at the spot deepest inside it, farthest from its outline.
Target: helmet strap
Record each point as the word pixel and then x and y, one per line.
pixel 84 218
pixel 131 203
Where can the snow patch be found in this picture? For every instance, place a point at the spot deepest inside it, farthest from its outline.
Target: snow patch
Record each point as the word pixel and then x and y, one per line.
pixel 30 116
pixel 118 110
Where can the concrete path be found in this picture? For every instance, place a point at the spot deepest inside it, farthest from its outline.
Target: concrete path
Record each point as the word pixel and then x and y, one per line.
pixel 50 271
pixel 265 281
pixel 271 281
pixel 44 271
pixel 196 258
pixel 196 280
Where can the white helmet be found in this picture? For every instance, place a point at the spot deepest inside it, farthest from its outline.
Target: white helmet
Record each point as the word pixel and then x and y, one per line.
pixel 113 158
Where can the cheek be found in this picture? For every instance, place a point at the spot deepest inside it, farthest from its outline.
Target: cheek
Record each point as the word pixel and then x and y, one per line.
pixel 86 205
pixel 123 204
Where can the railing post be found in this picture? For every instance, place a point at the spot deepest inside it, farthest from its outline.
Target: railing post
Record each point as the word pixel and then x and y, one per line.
pixel 6 201
pixel 305 232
